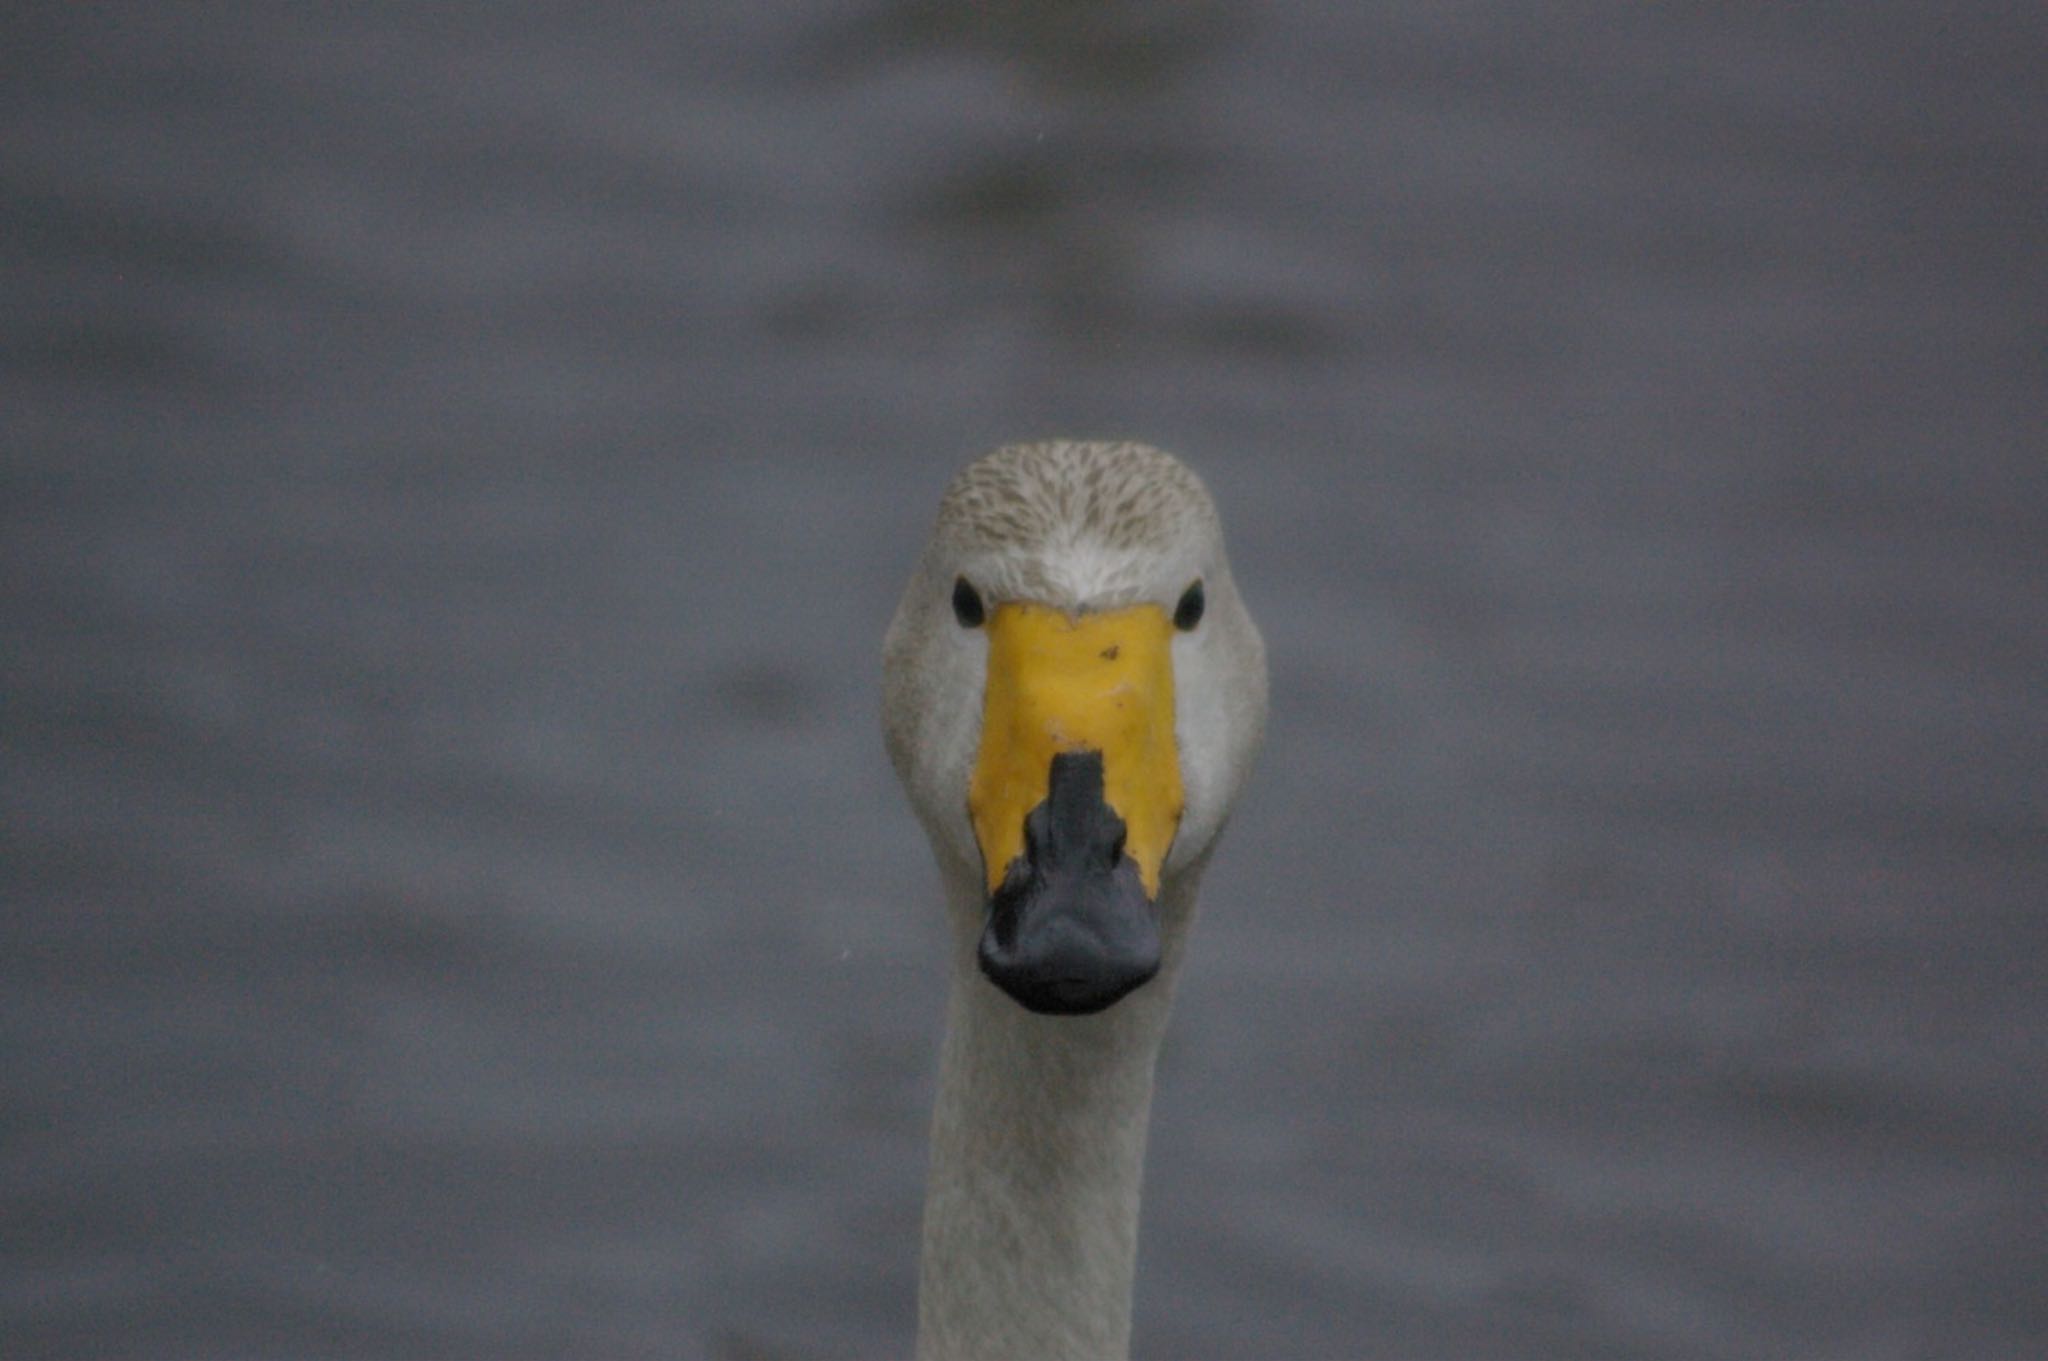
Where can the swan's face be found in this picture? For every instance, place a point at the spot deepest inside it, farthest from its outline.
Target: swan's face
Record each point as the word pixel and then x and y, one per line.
pixel 1073 694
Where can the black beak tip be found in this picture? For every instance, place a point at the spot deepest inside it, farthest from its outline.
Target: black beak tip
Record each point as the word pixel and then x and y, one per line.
pixel 1077 986
pixel 1071 930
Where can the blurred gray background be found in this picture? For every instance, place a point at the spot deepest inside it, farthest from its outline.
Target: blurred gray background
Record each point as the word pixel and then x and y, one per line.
pixel 459 461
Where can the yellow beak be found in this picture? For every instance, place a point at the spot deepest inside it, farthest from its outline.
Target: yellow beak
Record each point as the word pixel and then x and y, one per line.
pixel 1069 683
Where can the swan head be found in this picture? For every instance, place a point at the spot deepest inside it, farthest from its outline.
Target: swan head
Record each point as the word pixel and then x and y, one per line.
pixel 1072 696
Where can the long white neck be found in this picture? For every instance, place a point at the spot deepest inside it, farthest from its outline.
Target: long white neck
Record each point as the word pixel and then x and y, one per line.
pixel 1038 1152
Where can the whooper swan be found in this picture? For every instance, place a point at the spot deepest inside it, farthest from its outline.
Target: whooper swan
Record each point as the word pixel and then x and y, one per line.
pixel 1072 696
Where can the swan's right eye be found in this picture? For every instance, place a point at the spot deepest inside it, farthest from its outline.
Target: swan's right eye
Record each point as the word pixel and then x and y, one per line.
pixel 967 606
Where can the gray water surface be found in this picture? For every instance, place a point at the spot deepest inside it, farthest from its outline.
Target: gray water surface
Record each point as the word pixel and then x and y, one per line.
pixel 459 461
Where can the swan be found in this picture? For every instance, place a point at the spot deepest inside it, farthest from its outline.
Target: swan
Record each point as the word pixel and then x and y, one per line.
pixel 1073 694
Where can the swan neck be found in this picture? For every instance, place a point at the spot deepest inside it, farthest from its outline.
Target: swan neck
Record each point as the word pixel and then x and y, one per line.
pixel 1038 1152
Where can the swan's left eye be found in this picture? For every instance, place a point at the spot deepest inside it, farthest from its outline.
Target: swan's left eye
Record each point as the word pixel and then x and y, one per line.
pixel 967 604
pixel 1188 613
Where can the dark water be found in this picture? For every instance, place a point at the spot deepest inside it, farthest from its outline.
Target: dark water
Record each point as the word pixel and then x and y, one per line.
pixel 457 467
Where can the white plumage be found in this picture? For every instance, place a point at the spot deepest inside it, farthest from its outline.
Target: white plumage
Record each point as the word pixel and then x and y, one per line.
pixel 1039 1133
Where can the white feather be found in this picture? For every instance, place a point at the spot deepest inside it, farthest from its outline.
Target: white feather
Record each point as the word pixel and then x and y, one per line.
pixel 1038 1137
